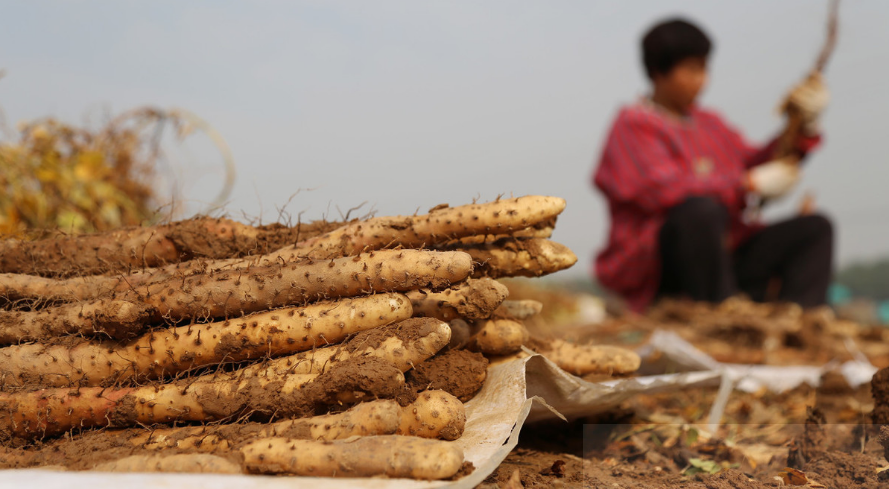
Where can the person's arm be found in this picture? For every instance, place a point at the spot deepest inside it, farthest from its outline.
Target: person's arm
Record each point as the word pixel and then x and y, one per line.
pixel 637 168
pixel 754 155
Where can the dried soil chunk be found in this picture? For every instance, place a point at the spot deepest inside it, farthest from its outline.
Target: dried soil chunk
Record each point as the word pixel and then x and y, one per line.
pixel 839 469
pixel 879 385
pixel 460 373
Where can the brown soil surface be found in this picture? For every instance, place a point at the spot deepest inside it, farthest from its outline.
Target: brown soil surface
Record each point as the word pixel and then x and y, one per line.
pixel 647 443
pixel 880 387
pixel 460 373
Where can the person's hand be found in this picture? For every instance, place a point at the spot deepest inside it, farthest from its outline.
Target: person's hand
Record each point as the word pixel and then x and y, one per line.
pixel 774 178
pixel 810 98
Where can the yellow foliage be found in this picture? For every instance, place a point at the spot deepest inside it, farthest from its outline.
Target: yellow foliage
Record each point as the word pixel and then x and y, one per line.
pixel 57 176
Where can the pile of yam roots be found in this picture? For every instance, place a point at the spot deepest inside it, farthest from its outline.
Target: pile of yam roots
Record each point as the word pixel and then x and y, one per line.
pixel 328 349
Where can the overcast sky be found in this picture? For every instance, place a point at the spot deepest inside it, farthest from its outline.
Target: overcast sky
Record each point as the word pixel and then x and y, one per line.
pixel 408 104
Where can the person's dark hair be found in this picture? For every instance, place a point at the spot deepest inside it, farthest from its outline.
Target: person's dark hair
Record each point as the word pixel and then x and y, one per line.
pixel 669 42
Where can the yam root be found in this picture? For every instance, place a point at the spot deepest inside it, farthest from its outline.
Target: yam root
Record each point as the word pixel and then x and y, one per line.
pixel 49 412
pixel 587 359
pixel 460 333
pixel 435 414
pixel 523 309
pixel 179 463
pixel 391 456
pixel 472 299
pixel 108 318
pixel 519 258
pixel 460 373
pixel 119 250
pixel 378 417
pixel 404 344
pixel 499 337
pixel 543 229
pixel 239 292
pixel 37 291
pixel 441 225
pixel 168 352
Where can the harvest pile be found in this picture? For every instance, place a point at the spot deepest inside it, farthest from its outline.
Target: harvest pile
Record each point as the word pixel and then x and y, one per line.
pixel 332 349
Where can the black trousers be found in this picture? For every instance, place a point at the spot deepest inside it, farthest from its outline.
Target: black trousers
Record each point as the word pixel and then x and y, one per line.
pixel 795 254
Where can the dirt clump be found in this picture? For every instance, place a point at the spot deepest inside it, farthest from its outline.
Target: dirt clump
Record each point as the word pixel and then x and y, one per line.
pixel 460 373
pixel 839 469
pixel 879 385
pixel 884 440
pixel 811 444
pixel 731 479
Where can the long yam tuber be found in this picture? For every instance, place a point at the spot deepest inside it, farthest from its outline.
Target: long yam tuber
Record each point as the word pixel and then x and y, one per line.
pixel 435 414
pixel 499 337
pixel 106 318
pixel 404 344
pixel 49 412
pixel 519 258
pixel 392 456
pixel 175 463
pixel 62 255
pixel 439 226
pixel 587 359
pixel 171 351
pixel 472 299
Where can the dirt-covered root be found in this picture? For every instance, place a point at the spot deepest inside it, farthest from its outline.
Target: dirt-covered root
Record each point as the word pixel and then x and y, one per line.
pixel 461 332
pixel 442 224
pixel 472 299
pixel 167 352
pixel 460 373
pixel 587 359
pixel 519 258
pixel 884 440
pixel 380 417
pixel 522 309
pixel 434 414
pixel 124 249
pixel 31 290
pixel 543 229
pixel 179 463
pixel 404 344
pixel 391 456
pixel 879 386
pixel 49 412
pixel 238 292
pixel 104 318
pixel 499 337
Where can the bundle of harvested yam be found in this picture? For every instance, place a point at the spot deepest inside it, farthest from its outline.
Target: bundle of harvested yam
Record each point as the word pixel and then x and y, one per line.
pixel 158 350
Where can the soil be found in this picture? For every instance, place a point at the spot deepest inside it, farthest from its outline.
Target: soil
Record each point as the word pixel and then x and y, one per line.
pixel 644 444
pixel 273 237
pixel 880 388
pixel 460 373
